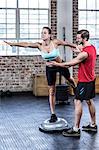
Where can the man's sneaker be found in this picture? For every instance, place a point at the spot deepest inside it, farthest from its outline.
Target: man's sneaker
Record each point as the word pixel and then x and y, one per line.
pixel 89 128
pixel 71 133
pixel 53 118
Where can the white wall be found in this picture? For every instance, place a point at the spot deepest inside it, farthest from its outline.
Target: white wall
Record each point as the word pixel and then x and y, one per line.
pixel 64 19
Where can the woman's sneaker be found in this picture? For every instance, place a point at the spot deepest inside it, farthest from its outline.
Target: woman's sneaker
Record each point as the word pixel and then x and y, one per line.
pixel 90 128
pixel 53 118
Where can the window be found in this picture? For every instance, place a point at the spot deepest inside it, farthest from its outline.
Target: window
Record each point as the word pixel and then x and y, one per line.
pixel 22 21
pixel 89 19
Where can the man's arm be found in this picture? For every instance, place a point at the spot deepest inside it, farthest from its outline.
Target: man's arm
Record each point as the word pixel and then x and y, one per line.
pixel 80 57
pixel 23 44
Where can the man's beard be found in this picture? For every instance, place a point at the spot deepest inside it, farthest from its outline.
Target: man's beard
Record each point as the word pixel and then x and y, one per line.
pixel 79 43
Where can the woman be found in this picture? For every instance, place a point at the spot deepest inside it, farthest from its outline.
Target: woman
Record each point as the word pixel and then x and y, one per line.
pixel 49 51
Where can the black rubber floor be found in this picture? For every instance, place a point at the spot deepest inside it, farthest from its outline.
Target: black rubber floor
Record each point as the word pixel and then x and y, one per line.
pixel 21 115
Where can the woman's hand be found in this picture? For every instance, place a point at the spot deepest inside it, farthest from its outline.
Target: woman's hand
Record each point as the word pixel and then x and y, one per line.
pixel 9 43
pixel 78 48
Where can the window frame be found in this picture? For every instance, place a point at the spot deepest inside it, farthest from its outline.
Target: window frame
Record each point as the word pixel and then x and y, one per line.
pixel 18 37
pixel 93 39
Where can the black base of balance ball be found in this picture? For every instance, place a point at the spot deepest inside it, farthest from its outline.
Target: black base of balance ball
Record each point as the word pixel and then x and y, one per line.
pixel 55 127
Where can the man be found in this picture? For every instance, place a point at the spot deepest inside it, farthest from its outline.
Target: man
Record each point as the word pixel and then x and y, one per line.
pixel 86 83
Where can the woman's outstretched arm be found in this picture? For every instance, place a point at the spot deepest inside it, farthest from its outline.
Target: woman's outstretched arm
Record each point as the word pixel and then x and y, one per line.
pixel 24 44
pixel 73 46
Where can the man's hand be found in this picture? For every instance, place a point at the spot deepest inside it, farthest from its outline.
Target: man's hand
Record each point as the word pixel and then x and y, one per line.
pixel 54 63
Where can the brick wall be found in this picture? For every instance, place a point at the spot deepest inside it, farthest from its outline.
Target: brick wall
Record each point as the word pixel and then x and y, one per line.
pixel 75 18
pixel 16 73
pixel 97 67
pixel 54 17
pixel 75 29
